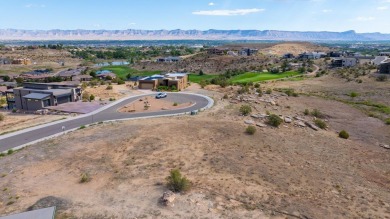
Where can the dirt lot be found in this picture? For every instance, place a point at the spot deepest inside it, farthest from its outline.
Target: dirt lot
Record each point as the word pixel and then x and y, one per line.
pixel 285 172
pixel 43 58
pixel 151 104
pixel 17 121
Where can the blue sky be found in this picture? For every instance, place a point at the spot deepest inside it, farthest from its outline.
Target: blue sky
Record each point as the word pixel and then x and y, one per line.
pixel 299 15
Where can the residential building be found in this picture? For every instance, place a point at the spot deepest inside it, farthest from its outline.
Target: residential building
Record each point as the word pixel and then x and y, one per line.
pixel 344 62
pixel 169 59
pixel 178 80
pixel 36 96
pixel 384 67
pixel 288 56
pixel 384 54
pixel 248 52
pixel 23 61
pixel 5 61
pixel 105 74
pixel 312 55
pixel 216 51
pixel 70 73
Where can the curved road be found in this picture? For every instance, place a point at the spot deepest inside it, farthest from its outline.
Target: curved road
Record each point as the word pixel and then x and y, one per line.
pixel 33 135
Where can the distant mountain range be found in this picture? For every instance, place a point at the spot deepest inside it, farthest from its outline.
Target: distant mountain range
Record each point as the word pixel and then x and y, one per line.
pixel 132 34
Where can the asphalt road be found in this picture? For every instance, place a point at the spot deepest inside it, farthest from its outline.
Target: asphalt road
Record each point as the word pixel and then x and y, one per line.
pixel 8 142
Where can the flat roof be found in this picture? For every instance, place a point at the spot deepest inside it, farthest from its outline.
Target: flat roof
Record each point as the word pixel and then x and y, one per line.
pixel 176 74
pixel 45 213
pixel 36 96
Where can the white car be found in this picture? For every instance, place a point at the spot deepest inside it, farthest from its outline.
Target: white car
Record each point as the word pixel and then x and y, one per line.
pixel 161 95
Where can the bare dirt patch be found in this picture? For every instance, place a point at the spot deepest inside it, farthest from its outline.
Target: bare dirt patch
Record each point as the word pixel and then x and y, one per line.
pixel 17 121
pixel 151 104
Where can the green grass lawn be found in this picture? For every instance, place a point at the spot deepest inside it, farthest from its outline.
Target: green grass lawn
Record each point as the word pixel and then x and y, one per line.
pixel 197 78
pixel 255 77
pixel 122 71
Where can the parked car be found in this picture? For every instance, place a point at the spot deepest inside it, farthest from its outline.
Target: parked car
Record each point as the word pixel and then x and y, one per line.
pixel 161 95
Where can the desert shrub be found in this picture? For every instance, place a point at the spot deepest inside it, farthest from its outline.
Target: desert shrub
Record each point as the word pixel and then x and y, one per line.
pixel 381 78
pixel 344 134
pixel 10 151
pixel 85 96
pixel 14 110
pixel 268 91
pixel 353 94
pixel 317 113
pixel 176 182
pixel 257 85
pixel 120 81
pixel 85 177
pixel 274 120
pixel 109 87
pixel 202 83
pixel 387 121
pixel 92 97
pixel 112 99
pixel 82 127
pixel 2 117
pixel 2 155
pixel 245 110
pixel 306 112
pixel 250 130
pixel 102 83
pixel 243 90
pixel 320 123
pixel 225 96
pixel 175 104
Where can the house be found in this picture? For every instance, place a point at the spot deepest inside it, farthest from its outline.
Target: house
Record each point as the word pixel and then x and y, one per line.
pixel 82 78
pixel 248 52
pixel 37 75
pixel 288 56
pixel 5 61
pixel 335 54
pixel 178 80
pixel 105 74
pixel 70 73
pixel 344 62
pixel 312 55
pixel 24 61
pixel 384 54
pixel 169 59
pixel 384 67
pixel 36 96
pixel 378 60
pixel 216 51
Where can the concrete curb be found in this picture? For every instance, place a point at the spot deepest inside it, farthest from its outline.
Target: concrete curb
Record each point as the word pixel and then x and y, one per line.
pixel 70 119
pixel 209 105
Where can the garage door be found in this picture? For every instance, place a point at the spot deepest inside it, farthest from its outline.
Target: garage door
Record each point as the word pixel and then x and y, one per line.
pixel 146 86
pixel 64 99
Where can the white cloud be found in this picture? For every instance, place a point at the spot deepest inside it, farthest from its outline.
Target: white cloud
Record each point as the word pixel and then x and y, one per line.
pixel 229 12
pixel 211 4
pixel 364 19
pixel 327 10
pixel 382 8
pixel 34 6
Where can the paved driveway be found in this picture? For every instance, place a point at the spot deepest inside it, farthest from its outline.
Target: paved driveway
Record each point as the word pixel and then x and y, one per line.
pixel 28 136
